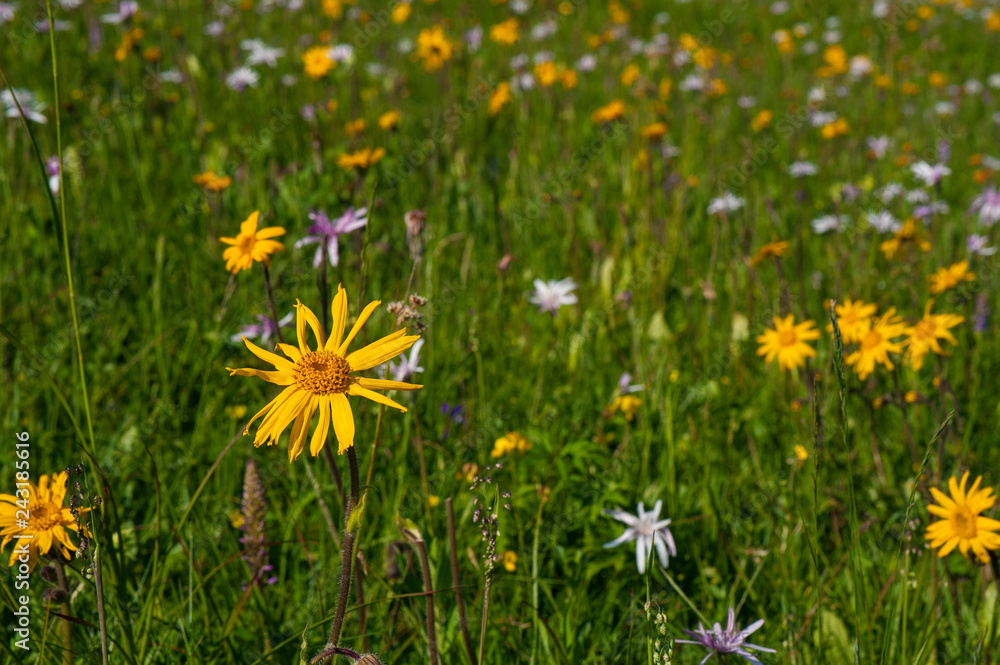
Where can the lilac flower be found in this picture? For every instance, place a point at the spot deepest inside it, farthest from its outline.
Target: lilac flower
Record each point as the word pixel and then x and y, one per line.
pixel 882 221
pixel 649 531
pixel 408 366
pixel 929 174
pixel 326 232
pixel 726 203
pixel 730 640
pixel 976 245
pixel 33 109
pixel 455 415
pixel 878 145
pixel 933 208
pixel 241 78
pixel 987 206
pixel 624 386
pixel 802 169
pixel 828 223
pixel 126 10
pixel 52 170
pixel 888 193
pixel 261 53
pixel 7 12
pixel 981 317
pixel 264 330
pixel 551 295
pixel 474 38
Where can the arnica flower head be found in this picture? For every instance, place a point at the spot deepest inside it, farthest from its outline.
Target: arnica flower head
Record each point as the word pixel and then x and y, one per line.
pixel 505 32
pixel 962 525
pixel 325 233
pixel 876 342
pixel 499 98
pixel 251 245
pixel 851 317
pixel 908 235
pixel 649 531
pixel 774 249
pixel 612 111
pixel 320 380
pixel 213 182
pixel 730 640
pixel 627 404
pixel 923 336
pixel 553 294
pixel 434 48
pixel 788 342
pixel 511 442
pixel 361 159
pixel 317 62
pixel 47 522
pixel 950 277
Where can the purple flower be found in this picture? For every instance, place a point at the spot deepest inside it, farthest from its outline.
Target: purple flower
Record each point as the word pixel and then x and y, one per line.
pixel 625 384
pixel 977 245
pixel 987 205
pixel 325 232
pixel 730 640
pixel 648 530
pixel 929 174
pixel 408 366
pixel 254 512
pixel 52 170
pixel 264 330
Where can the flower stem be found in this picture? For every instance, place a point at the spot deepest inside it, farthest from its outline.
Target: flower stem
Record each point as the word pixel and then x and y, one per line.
pixel 425 569
pixel 67 627
pixel 270 300
pixel 456 581
pixel 347 550
pixel 486 608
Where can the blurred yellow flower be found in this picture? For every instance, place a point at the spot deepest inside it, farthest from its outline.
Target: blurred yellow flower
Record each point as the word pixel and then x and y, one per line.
pixel 361 159
pixel 355 127
pixel 923 336
pixel 653 131
pixel 546 73
pixel 775 249
pixel 509 443
pixel 499 98
pixel 851 319
pixel 627 404
pixel 612 111
pixel 434 48
pixel 505 32
pixel 877 341
pixel 950 277
pixel 630 75
pixel 510 561
pixel 909 234
pixel 788 342
pixel 390 119
pixel 317 62
pixel 400 12
pixel 213 182
pixel 251 245
pixel 762 120
pixel 962 524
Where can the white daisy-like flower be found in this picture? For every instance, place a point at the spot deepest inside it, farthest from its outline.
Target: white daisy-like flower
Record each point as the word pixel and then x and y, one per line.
pixel 726 203
pixel 242 78
pixel 551 295
pixel 828 223
pixel 929 174
pixel 802 169
pixel 882 221
pixel 649 531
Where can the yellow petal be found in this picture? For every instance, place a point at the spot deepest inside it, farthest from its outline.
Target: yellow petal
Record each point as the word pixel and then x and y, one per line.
pixel 322 429
pixel 383 384
pixel 269 357
pixel 374 396
pixel 280 378
pixel 338 319
pixel 343 421
pixel 249 226
pixel 356 328
pixel 305 316
pixel 378 352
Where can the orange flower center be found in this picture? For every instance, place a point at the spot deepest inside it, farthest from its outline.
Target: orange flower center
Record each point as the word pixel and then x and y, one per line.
pixel 787 337
pixel 925 329
pixel 963 522
pixel 44 516
pixel 322 373
pixel 247 243
pixel 872 340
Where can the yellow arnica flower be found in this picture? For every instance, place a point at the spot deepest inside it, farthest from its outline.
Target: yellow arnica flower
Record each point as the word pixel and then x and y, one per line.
pixel 361 159
pixel 876 342
pixel 653 131
pixel 787 342
pixel 499 98
pixel 321 379
pixel 317 62
pixel 907 235
pixel 434 48
pixel 47 521
pixel 774 249
pixel 923 336
pixel 212 181
pixel 511 442
pixel 390 119
pixel 510 561
pixel 962 526
pixel 762 120
pixel 251 245
pixel 546 73
pixel 851 319
pixel 505 32
pixel 627 404
pixel 950 277
pixel 606 114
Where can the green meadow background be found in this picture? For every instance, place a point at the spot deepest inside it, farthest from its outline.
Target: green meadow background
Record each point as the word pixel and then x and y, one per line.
pixel 829 550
